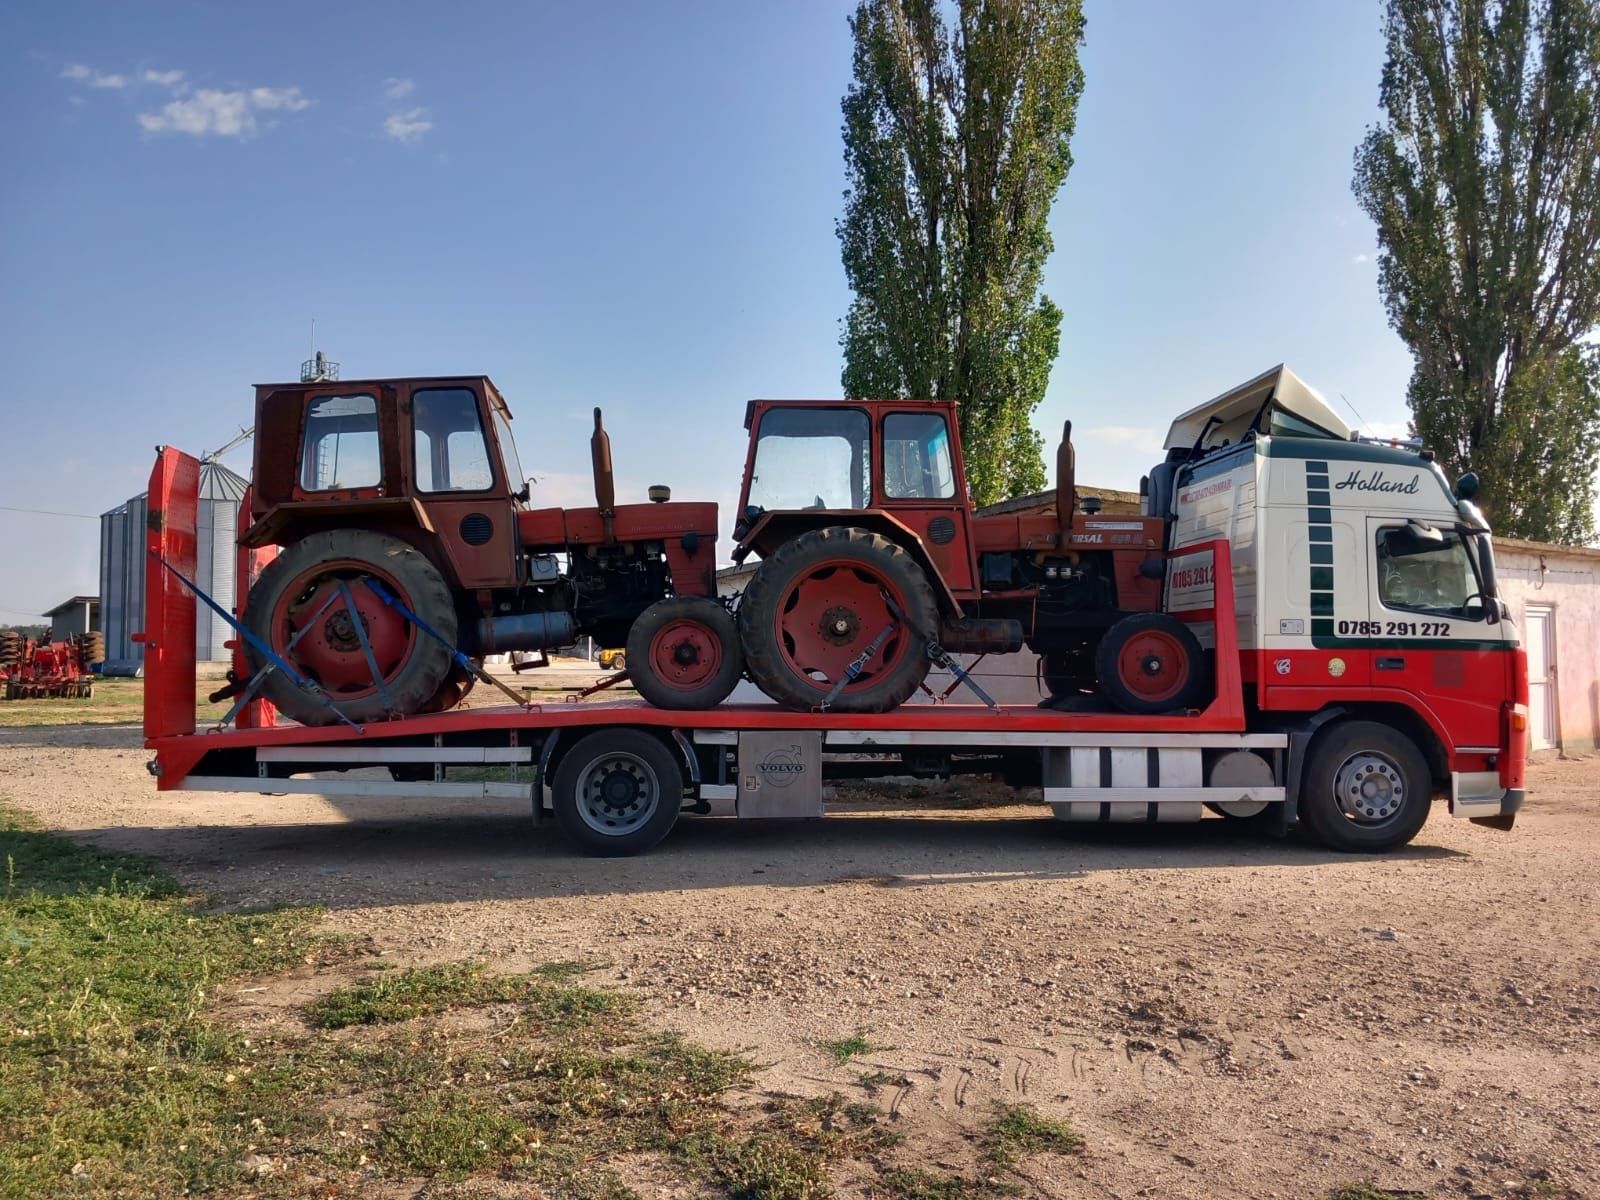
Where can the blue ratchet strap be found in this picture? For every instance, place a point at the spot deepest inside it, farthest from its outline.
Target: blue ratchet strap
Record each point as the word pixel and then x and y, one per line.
pixel 260 677
pixel 460 659
pixel 939 656
pixel 260 647
pixel 853 671
pixel 366 646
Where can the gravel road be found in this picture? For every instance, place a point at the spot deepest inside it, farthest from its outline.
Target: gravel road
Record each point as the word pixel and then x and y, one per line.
pixel 1220 1016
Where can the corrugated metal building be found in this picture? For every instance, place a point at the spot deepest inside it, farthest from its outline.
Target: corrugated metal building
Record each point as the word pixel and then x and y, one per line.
pixel 122 566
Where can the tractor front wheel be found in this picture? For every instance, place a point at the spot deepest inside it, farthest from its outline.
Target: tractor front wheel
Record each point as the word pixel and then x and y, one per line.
pixel 820 604
pixel 312 606
pixel 683 653
pixel 1150 663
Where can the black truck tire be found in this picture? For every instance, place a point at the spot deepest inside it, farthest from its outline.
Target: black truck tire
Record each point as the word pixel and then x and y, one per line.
pixel 289 595
pixel 812 609
pixel 683 653
pixel 1365 788
pixel 617 792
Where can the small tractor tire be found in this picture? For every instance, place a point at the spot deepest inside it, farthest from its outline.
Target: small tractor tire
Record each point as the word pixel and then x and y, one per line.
pixel 1150 663
pixel 818 603
pixel 294 591
pixel 617 792
pixel 1366 788
pixel 683 653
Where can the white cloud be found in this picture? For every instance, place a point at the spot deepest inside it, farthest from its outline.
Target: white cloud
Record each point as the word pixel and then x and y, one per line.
pixel 398 89
pixel 79 73
pixel 1361 258
pixel 270 98
pixel 223 114
pixel 163 78
pixel 408 127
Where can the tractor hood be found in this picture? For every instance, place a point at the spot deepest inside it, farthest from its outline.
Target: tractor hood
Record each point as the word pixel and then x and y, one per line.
pixel 1292 407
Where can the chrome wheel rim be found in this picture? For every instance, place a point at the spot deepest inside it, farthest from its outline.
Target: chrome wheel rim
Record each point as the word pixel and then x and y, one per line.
pixel 618 794
pixel 1369 787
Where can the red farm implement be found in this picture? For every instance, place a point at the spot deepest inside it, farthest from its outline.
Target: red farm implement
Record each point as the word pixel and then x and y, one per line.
pixel 37 670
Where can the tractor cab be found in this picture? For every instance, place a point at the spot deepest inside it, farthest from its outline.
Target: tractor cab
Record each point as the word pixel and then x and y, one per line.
pixel 893 466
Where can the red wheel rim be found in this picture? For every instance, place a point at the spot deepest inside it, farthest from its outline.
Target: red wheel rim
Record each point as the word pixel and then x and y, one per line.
pixel 830 615
pixel 1153 666
pixel 685 654
pixel 329 652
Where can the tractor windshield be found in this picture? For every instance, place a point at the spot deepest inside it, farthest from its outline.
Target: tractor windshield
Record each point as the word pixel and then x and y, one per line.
pixel 451 455
pixel 812 458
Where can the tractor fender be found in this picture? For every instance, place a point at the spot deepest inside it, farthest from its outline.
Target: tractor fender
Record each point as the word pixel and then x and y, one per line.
pixel 772 529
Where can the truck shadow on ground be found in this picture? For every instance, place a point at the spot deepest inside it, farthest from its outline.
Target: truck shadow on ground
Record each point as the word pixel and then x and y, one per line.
pixel 382 858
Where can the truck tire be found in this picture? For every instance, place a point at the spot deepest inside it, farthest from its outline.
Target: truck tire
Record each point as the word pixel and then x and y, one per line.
pixel 292 594
pixel 1366 788
pixel 684 653
pixel 1150 663
pixel 617 792
pixel 817 604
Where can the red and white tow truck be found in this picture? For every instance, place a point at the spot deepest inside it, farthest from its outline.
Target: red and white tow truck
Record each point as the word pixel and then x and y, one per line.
pixel 1362 665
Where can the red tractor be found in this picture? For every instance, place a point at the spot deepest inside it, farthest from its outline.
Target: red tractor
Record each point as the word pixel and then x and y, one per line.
pixel 872 562
pixel 401 510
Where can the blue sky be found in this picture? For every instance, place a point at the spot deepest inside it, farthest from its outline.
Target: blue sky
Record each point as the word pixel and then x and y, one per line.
pixel 624 205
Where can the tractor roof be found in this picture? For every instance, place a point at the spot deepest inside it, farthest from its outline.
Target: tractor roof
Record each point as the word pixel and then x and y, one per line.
pixel 750 408
pixel 263 389
pixel 1284 392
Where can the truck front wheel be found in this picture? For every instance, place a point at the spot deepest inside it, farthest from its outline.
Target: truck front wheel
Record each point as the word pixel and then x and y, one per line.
pixel 1365 789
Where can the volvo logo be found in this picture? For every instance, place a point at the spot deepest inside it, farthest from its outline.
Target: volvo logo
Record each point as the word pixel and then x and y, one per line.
pixel 781 767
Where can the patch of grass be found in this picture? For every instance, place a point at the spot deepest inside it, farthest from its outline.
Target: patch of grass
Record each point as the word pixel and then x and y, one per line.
pixel 916 1183
pixel 1369 1191
pixel 116 701
pixel 842 1050
pixel 107 1058
pixel 1022 1129
pixel 119 1076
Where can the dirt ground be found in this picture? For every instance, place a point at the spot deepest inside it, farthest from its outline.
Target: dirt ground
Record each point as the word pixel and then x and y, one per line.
pixel 1219 1016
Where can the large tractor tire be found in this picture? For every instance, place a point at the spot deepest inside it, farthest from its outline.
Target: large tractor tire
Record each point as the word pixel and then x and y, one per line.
pixel 819 603
pixel 684 653
pixel 298 596
pixel 457 684
pixel 1150 663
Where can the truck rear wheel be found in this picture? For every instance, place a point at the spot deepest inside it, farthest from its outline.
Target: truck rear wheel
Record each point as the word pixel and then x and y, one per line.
pixel 1150 663
pixel 683 653
pixel 823 599
pixel 298 609
pixel 617 792
pixel 1365 788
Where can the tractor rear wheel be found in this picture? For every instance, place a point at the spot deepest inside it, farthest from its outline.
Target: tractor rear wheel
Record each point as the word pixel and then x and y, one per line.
pixel 683 653
pixel 313 608
pixel 819 603
pixel 1150 663
pixel 452 691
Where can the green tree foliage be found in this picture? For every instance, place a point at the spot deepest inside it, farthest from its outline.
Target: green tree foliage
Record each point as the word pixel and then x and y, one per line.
pixel 1484 183
pixel 956 132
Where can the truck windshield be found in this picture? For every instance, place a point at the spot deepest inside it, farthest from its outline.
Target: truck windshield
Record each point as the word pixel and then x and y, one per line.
pixel 812 458
pixel 1427 571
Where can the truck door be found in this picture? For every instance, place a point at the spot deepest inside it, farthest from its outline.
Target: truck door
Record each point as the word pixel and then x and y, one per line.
pixel 1431 631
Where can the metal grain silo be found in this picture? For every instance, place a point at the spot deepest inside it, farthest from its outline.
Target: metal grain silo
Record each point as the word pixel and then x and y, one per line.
pixel 122 567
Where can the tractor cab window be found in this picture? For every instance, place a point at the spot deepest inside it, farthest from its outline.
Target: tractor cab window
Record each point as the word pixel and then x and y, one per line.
pixel 1428 570
pixel 508 451
pixel 451 455
pixel 341 444
pixel 916 457
pixel 812 458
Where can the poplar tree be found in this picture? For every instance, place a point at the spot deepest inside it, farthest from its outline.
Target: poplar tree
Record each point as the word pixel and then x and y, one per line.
pixel 956 135
pixel 1484 182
